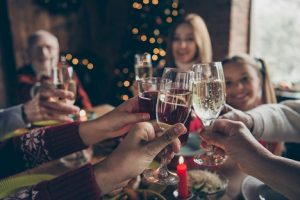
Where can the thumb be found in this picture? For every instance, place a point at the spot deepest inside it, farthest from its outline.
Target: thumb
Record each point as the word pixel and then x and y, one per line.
pixel 226 108
pixel 168 137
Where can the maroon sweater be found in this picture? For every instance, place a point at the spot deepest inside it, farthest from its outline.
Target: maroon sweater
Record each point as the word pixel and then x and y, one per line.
pixel 42 145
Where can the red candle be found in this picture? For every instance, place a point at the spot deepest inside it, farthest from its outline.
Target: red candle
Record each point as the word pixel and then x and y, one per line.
pixel 182 175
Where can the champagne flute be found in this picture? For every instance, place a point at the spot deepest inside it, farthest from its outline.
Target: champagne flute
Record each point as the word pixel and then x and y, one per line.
pixel 208 100
pixel 143 66
pixel 173 106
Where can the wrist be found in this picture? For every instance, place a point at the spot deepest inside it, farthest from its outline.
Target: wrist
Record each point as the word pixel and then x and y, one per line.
pixel 90 133
pixel 105 177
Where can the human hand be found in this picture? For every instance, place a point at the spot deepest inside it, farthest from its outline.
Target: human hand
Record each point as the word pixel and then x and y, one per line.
pixel 229 112
pixel 135 154
pixel 42 106
pixel 237 141
pixel 113 124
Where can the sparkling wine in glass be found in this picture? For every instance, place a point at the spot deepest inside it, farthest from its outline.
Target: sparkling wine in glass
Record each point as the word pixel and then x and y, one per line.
pixel 173 106
pixel 143 66
pixel 208 100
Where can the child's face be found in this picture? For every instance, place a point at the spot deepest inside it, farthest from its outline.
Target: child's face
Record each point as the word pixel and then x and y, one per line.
pixel 243 86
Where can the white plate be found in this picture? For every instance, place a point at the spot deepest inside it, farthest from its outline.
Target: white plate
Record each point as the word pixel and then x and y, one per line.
pixel 254 189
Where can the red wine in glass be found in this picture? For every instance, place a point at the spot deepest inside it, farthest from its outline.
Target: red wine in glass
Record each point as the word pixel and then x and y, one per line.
pixel 147 103
pixel 175 109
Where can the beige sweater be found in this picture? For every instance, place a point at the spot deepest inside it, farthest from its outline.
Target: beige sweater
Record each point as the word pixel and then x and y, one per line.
pixel 277 122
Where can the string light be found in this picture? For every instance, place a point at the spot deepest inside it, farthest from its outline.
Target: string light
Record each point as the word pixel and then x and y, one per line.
pixel 135 31
pixel 143 38
pixel 175 13
pixel 167 11
pixel 162 53
pixel 152 40
pixel 90 66
pixel 154 57
pixel 126 83
pixel 154 2
pixel 175 5
pixel 135 5
pixel 69 56
pixel 159 40
pixel 75 61
pixel 146 1
pixel 85 61
pixel 125 97
pixel 156 51
pixel 156 32
pixel 169 19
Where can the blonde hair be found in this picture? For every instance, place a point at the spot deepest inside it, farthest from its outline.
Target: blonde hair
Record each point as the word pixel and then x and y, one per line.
pixel 202 39
pixel 268 92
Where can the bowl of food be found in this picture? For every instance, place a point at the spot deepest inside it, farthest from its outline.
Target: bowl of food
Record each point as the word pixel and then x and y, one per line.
pixel 206 184
pixel 130 194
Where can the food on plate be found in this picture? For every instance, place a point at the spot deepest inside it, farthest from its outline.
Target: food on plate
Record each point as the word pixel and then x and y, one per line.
pixel 206 182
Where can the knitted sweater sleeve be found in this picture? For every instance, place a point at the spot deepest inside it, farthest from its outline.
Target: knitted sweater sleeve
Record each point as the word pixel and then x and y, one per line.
pixel 39 146
pixel 79 184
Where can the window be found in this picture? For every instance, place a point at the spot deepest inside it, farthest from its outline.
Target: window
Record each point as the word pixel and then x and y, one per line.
pixel 275 37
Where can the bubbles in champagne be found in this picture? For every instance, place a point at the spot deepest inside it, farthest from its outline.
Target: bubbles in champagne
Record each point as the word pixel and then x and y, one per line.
pixel 208 99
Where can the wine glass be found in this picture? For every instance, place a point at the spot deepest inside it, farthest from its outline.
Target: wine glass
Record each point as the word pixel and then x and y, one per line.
pixel 63 78
pixel 147 93
pixel 173 106
pixel 142 66
pixel 208 100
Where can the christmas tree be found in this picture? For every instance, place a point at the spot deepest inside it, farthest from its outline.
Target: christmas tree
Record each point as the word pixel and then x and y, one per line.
pixel 147 32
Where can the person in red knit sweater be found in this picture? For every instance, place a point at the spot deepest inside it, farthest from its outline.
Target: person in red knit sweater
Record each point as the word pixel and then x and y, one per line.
pixel 43 52
pixel 41 145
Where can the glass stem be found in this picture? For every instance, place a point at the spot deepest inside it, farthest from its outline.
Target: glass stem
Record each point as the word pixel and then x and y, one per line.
pixel 163 169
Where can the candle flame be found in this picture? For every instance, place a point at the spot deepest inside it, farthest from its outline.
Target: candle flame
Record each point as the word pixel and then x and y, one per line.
pixel 181 160
pixel 82 113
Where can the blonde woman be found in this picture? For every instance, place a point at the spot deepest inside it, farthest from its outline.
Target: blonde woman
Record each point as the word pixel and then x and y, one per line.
pixel 189 43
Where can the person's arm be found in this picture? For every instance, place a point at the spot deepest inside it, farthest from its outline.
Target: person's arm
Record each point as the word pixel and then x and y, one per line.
pixel 140 146
pixel 41 145
pixel 79 184
pixel 270 122
pixel 277 122
pixel 11 119
pixel 282 174
pixel 38 146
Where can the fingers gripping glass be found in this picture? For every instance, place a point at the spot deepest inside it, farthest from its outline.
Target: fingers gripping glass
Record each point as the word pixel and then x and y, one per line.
pixel 208 100
pixel 173 106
